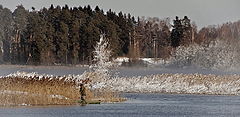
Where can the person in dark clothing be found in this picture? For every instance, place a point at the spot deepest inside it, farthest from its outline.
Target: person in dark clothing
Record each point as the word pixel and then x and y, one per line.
pixel 82 92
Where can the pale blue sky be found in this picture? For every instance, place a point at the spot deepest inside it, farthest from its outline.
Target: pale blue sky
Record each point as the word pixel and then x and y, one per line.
pixel 203 12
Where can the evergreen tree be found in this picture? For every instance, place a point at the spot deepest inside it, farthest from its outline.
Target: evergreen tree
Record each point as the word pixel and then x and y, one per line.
pixel 186 32
pixel 182 32
pixel 37 39
pixel 6 29
pixel 47 56
pixel 20 22
pixel 176 34
pixel 74 40
pixel 62 43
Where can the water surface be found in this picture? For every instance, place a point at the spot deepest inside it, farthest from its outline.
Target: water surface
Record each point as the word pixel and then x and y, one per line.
pixel 140 105
pixel 121 71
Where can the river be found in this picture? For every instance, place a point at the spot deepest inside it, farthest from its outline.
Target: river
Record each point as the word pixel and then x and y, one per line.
pixel 140 105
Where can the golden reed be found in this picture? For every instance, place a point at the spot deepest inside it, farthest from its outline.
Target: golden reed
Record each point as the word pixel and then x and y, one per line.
pixel 18 91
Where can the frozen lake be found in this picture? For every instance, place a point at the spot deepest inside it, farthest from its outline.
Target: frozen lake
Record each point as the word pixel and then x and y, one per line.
pixel 140 105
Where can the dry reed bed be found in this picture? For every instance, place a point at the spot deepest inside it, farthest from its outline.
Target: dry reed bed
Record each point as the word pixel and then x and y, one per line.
pixel 41 90
pixel 30 89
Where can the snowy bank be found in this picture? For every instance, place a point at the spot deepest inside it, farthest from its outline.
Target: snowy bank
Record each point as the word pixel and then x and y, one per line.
pixel 174 83
pixel 161 83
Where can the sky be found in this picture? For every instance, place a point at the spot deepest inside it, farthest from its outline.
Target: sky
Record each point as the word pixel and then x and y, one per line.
pixel 202 12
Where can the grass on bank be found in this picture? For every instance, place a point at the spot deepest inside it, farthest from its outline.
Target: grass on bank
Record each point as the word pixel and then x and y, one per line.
pixel 17 91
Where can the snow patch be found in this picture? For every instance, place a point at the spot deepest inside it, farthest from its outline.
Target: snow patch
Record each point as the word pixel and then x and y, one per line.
pixel 175 83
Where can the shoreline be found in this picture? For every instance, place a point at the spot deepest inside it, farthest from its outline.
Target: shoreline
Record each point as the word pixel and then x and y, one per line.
pixel 171 93
pixel 78 104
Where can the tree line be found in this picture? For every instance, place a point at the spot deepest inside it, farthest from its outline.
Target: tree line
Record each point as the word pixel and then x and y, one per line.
pixel 63 35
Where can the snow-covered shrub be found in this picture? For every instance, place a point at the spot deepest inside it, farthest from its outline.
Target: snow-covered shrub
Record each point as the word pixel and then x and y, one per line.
pixel 102 57
pixel 219 54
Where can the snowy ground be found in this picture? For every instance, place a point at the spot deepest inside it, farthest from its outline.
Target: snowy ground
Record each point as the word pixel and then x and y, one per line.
pixel 146 61
pixel 175 83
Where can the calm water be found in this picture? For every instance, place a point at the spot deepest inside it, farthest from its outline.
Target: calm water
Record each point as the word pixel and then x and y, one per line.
pixel 122 71
pixel 140 105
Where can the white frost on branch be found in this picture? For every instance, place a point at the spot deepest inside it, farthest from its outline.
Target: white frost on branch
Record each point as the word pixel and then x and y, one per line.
pixel 219 54
pixel 102 57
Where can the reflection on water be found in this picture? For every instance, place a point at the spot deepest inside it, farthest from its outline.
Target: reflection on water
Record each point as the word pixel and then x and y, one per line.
pixel 140 105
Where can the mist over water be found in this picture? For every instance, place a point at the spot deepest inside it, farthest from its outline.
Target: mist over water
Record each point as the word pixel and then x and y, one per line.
pixel 219 55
